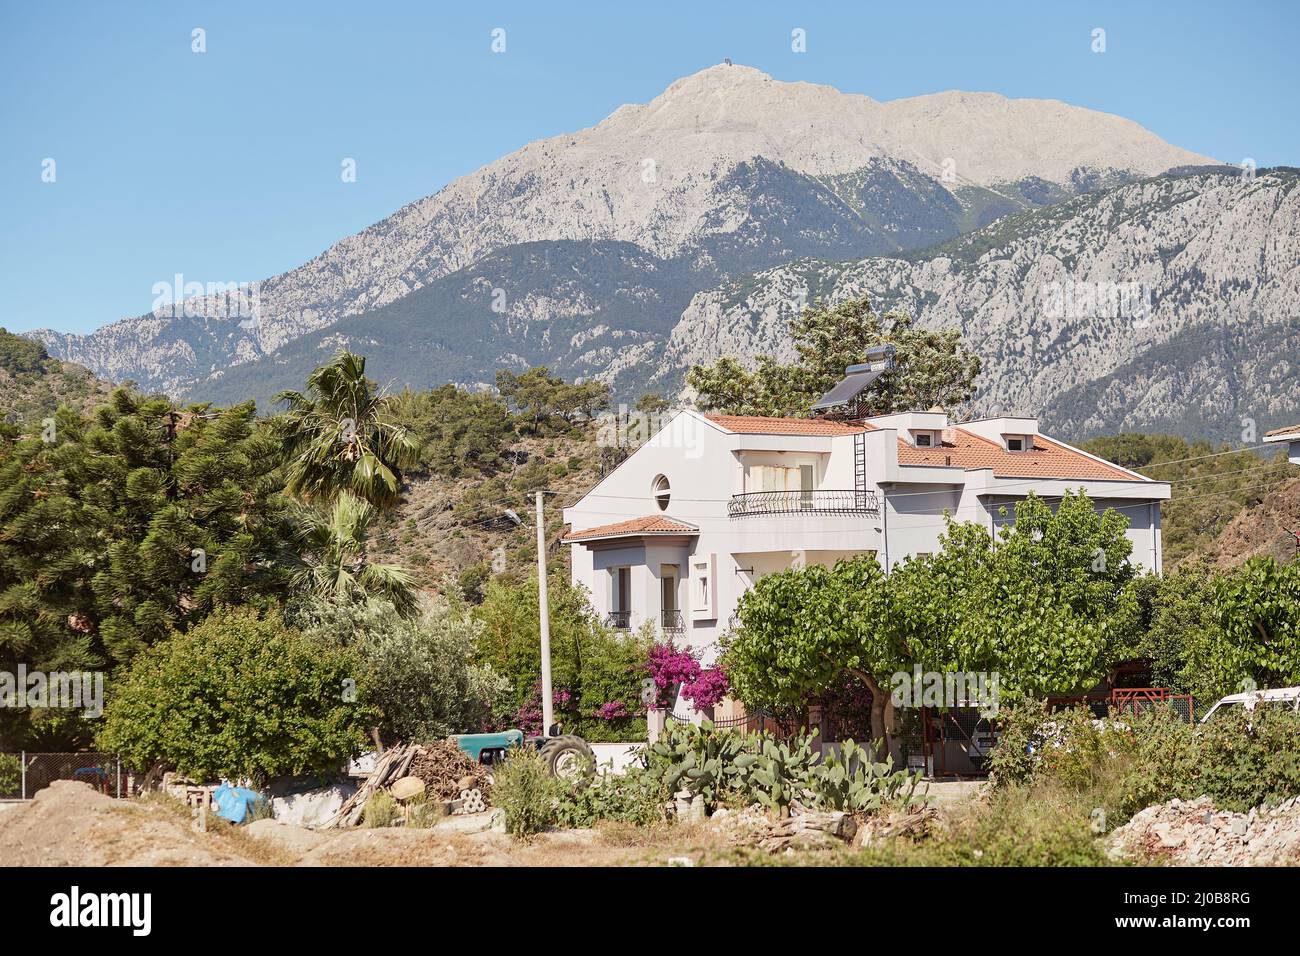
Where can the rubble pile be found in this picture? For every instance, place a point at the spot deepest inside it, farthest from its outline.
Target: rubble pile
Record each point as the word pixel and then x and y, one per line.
pixel 802 829
pixel 1193 832
pixel 915 823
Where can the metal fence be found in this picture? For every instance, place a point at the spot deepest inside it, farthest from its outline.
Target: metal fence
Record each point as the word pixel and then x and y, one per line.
pixel 803 502
pixel 24 774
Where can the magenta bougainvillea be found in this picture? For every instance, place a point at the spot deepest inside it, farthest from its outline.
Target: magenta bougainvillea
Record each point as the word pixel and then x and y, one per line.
pixel 529 717
pixel 708 689
pixel 614 710
pixel 669 669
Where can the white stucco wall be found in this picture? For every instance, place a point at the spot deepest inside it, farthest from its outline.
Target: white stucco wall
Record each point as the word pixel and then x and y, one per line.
pixel 705 467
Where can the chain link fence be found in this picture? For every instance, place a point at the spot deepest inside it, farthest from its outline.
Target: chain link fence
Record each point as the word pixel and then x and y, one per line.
pixel 24 774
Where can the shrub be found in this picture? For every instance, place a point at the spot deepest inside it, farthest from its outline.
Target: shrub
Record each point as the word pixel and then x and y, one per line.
pixel 1239 760
pixel 634 796
pixel 1248 760
pixel 419 672
pixel 854 782
pixel 1017 826
pixel 670 669
pixel 729 766
pixel 238 696
pixel 1020 743
pixel 524 788
pixel 1163 762
pixel 703 760
pixel 708 689
pixel 592 665
pixel 1073 749
pixel 381 810
pixel 11 775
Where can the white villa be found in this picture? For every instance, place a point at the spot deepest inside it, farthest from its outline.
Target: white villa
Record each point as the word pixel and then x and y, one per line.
pixel 677 532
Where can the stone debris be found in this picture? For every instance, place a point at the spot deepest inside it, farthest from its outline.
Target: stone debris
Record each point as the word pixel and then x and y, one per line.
pixel 1196 833
pixel 740 826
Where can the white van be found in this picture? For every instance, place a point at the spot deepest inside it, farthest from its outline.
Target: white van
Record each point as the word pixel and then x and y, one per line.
pixel 1284 698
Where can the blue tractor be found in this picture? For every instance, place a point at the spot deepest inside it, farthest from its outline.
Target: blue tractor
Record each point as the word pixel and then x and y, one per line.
pixel 567 756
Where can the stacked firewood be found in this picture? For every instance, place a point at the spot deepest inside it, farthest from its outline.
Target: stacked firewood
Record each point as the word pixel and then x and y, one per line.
pixel 448 773
pixel 392 765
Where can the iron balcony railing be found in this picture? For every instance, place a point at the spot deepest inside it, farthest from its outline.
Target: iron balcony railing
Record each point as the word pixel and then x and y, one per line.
pixel 621 620
pixel 803 502
pixel 673 622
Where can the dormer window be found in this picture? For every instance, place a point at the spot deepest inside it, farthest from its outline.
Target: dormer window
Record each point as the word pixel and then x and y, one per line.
pixel 926 438
pixel 1017 443
pixel 923 439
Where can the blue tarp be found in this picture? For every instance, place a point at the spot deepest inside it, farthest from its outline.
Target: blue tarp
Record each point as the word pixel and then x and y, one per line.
pixel 235 803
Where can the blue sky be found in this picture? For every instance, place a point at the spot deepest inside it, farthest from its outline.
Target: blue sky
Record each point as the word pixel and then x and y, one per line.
pixel 225 166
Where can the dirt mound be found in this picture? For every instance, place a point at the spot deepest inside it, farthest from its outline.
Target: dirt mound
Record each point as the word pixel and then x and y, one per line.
pixel 1262 529
pixel 69 824
pixel 1194 832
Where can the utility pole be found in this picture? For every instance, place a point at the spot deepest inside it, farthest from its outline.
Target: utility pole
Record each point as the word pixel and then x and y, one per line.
pixel 544 612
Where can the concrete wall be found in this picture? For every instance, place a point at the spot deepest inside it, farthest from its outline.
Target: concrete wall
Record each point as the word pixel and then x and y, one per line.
pixel 617 757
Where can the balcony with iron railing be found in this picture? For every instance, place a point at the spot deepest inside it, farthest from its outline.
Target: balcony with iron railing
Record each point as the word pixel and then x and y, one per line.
pixel 673 622
pixel 619 620
pixel 756 503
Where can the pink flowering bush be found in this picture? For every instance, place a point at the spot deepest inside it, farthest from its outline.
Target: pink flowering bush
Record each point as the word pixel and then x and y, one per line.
pixel 708 689
pixel 529 717
pixel 669 669
pixel 613 710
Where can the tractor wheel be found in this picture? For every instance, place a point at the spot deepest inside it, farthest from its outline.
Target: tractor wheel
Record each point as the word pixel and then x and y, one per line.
pixel 569 758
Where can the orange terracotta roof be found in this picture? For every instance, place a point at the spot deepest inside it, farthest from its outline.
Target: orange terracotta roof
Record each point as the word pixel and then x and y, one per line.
pixel 1283 431
pixel 1047 459
pixel 650 524
pixel 758 425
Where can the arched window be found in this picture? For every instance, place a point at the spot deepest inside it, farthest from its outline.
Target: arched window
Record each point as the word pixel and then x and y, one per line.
pixel 662 492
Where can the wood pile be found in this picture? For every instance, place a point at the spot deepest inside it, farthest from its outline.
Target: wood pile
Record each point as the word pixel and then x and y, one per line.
pixel 915 823
pixel 813 828
pixel 446 770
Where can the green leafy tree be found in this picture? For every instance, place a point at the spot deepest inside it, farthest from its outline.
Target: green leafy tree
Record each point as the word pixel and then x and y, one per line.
pixel 140 518
pixel 460 432
pixel 652 403
pixel 1046 604
pixel 1179 630
pixel 543 400
pixel 342 436
pixel 932 368
pixel 418 671
pixel 1259 619
pixel 805 630
pixel 334 563
pixel 591 665
pixel 238 695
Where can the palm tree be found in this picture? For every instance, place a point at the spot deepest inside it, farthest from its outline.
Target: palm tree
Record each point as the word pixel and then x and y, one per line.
pixel 341 436
pixel 333 562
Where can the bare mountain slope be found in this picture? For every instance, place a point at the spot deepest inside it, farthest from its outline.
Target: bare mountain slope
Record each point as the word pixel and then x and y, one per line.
pixel 1212 261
